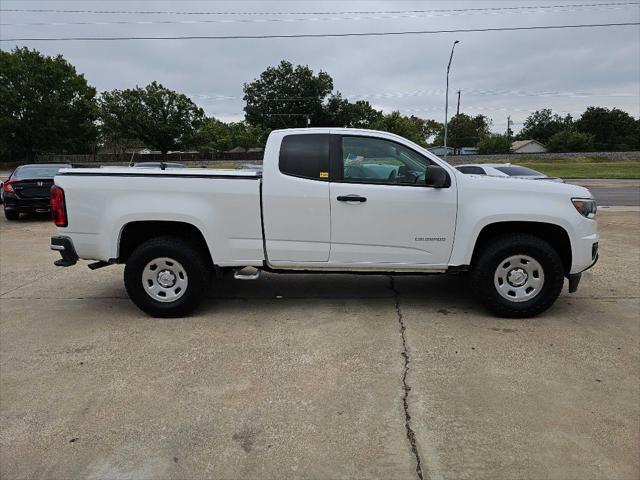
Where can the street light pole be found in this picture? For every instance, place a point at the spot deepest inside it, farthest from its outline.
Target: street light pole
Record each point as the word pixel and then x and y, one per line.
pixel 446 101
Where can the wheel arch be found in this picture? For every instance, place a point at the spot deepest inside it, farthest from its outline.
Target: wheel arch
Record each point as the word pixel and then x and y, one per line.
pixel 135 233
pixel 552 233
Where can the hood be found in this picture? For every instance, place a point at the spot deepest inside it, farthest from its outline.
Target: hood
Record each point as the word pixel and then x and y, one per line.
pixel 522 185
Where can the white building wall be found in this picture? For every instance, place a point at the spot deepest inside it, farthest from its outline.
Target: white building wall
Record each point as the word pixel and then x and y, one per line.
pixel 531 148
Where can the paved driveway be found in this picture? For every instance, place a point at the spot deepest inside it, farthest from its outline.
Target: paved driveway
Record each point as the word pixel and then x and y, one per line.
pixel 316 376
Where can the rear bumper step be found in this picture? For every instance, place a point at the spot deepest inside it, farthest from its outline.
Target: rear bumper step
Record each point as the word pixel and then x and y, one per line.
pixel 64 245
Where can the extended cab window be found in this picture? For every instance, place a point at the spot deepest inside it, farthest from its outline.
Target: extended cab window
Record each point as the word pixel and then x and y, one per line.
pixel 305 156
pixel 373 160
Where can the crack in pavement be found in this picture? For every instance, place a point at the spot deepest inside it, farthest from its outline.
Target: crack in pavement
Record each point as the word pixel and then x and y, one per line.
pixel 30 282
pixel 411 436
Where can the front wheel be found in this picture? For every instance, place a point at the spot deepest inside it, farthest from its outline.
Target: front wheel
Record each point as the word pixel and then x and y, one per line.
pixel 166 277
pixel 517 276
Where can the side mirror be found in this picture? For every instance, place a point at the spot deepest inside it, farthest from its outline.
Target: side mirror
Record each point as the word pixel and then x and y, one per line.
pixel 436 177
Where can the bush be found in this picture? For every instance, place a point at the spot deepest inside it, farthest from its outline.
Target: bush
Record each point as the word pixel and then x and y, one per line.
pixel 494 143
pixel 570 141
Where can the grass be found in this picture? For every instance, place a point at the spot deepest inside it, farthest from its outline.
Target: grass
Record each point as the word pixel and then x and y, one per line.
pixel 587 168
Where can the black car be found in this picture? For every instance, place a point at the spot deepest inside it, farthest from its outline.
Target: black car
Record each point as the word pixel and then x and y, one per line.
pixel 28 189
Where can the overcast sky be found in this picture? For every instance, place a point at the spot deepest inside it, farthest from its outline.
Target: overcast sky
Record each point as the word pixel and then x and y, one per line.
pixel 499 73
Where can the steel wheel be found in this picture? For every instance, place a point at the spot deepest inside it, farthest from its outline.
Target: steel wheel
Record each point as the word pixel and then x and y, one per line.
pixel 519 278
pixel 164 279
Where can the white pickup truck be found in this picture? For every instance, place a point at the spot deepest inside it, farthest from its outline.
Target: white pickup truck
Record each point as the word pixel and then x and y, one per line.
pixel 326 200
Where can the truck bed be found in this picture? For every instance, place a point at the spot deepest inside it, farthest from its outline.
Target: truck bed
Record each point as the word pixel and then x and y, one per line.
pixel 223 204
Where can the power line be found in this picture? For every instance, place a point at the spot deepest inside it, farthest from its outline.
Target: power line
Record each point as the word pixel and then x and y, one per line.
pixel 319 35
pixel 174 12
pixel 421 93
pixel 479 108
pixel 340 17
pixel 524 93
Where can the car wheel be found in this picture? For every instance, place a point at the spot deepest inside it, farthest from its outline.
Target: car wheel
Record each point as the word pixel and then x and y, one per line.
pixel 11 214
pixel 166 277
pixel 517 276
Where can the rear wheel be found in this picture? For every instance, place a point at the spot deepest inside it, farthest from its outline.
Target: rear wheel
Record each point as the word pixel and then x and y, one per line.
pixel 11 214
pixel 166 277
pixel 518 276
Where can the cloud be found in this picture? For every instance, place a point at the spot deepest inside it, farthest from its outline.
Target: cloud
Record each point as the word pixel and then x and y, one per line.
pixel 600 65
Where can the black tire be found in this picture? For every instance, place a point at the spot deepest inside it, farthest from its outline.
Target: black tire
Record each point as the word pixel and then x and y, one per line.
pixel 492 256
pixel 194 263
pixel 11 214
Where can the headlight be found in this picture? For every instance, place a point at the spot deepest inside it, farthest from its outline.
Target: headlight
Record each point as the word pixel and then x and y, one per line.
pixel 585 206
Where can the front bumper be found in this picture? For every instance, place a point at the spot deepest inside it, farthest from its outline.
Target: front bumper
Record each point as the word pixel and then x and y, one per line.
pixel 64 245
pixel 574 278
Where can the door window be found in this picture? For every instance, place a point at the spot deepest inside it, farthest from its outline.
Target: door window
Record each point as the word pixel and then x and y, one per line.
pixel 305 156
pixel 373 160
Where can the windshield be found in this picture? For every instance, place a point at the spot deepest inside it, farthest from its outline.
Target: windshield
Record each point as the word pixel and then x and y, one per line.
pixel 37 171
pixel 516 171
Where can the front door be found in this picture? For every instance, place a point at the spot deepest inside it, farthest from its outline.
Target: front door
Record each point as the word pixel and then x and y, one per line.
pixel 382 214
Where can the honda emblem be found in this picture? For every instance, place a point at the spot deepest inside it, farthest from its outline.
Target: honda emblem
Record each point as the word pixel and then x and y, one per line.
pixel 40 184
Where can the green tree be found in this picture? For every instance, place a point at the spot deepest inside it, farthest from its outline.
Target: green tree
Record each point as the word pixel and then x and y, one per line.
pixel 339 112
pixel 494 143
pixel 464 131
pixel 612 129
pixel 217 136
pixel 432 130
pixel 411 128
pixel 541 125
pixel 285 97
pixel 248 136
pixel 214 136
pixel 159 117
pixel 45 105
pixel 570 141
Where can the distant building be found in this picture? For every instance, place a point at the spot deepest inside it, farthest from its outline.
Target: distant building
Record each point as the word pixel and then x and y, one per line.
pixel 527 146
pixel 246 150
pixel 440 151
pixel 237 150
pixel 468 151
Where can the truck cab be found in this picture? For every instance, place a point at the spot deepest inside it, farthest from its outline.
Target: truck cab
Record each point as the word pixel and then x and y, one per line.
pixel 356 200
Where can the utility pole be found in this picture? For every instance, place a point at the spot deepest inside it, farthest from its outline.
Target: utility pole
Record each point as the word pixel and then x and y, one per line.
pixel 446 100
pixel 458 124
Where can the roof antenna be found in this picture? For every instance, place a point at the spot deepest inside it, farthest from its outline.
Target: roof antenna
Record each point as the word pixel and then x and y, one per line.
pixel 131 161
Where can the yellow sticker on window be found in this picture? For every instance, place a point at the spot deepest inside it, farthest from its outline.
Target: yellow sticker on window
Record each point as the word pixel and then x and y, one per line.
pixel 324 174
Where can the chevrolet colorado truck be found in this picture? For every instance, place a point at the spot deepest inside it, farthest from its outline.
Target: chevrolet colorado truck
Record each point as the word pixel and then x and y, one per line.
pixel 326 200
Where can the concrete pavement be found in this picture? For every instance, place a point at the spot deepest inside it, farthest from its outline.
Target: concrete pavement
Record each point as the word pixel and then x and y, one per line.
pixel 303 376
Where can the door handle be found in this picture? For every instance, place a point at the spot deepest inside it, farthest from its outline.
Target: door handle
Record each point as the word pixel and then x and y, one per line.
pixel 352 198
